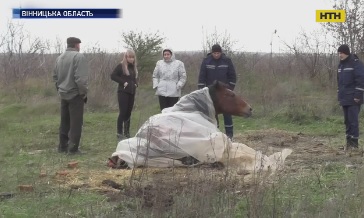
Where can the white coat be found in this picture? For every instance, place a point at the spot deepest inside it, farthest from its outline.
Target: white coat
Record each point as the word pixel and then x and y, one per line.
pixel 169 77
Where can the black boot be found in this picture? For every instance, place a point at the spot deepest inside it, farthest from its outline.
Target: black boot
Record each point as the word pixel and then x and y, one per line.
pixel 127 128
pixel 353 147
pixel 63 143
pixel 348 144
pixel 352 143
pixel 355 143
pixel 119 136
pixel 120 128
pixel 62 148
pixel 74 150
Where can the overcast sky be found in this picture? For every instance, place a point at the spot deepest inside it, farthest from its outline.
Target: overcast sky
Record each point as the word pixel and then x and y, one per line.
pixel 183 22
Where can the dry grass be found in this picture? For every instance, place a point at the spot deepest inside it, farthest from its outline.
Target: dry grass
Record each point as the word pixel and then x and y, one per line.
pixel 93 179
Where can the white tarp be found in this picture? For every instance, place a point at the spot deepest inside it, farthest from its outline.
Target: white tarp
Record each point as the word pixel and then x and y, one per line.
pixel 189 129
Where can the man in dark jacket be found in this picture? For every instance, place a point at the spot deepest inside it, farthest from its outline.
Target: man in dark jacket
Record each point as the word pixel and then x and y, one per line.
pixel 350 78
pixel 216 66
pixel 71 78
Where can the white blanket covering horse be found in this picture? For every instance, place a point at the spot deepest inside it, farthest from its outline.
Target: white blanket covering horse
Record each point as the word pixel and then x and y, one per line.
pixel 189 128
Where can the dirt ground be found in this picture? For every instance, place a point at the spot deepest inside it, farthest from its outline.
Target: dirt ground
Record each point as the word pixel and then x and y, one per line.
pixel 308 153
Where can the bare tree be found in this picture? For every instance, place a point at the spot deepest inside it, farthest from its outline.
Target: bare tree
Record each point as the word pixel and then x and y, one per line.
pixel 312 51
pixel 58 46
pixel 350 32
pixel 146 46
pixel 21 56
pixel 223 39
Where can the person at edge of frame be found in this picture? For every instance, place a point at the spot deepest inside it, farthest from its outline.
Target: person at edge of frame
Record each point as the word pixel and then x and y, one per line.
pixel 350 79
pixel 71 80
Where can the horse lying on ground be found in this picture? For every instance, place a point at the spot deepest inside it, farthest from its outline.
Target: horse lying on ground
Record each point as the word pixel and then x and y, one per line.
pixel 186 134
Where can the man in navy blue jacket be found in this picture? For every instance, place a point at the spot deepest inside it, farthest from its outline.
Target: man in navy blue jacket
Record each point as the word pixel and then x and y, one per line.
pixel 216 66
pixel 350 79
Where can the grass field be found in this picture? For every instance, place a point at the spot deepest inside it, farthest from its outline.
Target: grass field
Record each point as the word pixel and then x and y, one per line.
pixel 29 137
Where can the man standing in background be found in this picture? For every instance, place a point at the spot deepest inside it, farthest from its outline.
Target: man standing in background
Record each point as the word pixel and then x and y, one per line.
pixel 216 66
pixel 350 79
pixel 71 79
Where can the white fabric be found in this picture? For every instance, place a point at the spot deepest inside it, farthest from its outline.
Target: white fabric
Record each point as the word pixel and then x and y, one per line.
pixel 189 129
pixel 169 77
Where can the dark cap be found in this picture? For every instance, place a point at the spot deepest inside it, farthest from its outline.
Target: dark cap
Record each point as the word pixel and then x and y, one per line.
pixel 216 48
pixel 73 40
pixel 344 49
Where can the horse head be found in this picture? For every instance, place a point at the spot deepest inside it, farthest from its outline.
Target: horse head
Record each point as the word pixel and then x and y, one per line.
pixel 226 101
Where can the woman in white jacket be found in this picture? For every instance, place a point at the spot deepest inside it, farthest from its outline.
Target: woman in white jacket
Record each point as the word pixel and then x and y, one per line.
pixel 169 76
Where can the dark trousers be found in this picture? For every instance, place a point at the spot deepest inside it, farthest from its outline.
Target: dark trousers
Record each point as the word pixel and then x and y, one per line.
pixel 228 122
pixel 71 123
pixel 126 104
pixel 165 102
pixel 351 120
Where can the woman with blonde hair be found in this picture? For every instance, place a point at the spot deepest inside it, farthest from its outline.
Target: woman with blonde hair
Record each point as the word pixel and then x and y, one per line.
pixel 125 74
